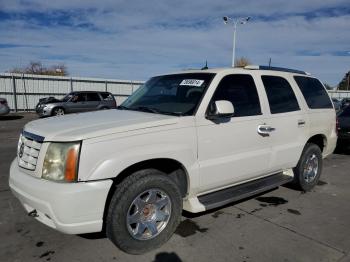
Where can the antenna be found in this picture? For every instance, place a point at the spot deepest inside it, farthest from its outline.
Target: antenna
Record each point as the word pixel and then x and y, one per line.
pixel 206 65
pixel 270 62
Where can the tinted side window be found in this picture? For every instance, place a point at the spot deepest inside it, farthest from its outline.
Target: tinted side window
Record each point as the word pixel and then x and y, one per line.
pixel 241 91
pixel 314 93
pixel 280 95
pixel 92 97
pixel 78 97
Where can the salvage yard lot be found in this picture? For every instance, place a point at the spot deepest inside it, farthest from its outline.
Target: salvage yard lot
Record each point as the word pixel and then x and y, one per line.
pixel 281 225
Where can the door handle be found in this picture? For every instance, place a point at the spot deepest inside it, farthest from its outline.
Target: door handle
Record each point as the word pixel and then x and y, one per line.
pixel 301 122
pixel 265 130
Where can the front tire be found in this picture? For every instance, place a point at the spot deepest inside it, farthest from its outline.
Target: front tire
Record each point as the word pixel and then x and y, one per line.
pixel 308 171
pixel 58 111
pixel 144 212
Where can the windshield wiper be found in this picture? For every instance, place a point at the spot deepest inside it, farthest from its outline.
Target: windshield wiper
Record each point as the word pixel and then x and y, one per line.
pixel 155 111
pixel 147 109
pixel 123 108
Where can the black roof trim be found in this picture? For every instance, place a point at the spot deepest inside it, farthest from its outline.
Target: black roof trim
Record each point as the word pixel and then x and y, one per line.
pixel 282 69
pixel 273 68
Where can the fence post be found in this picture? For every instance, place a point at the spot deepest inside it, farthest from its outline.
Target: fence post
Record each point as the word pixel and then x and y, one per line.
pixel 132 87
pixel 71 84
pixel 14 92
pixel 25 91
pixel 106 86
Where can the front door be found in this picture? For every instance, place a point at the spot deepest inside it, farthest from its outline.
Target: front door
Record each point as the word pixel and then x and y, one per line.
pixel 231 150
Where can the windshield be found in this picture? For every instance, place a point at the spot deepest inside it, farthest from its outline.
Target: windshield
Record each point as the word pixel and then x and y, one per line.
pixel 177 94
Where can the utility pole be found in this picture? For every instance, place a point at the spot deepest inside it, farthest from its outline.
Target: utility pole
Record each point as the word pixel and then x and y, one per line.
pixel 242 21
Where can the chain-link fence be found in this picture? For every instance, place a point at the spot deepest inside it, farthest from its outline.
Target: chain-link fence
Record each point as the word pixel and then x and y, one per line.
pixel 23 91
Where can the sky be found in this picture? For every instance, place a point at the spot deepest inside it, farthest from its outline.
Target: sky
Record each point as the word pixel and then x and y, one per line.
pixel 138 39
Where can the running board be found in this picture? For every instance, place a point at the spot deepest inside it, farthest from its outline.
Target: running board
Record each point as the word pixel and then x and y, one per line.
pixel 235 193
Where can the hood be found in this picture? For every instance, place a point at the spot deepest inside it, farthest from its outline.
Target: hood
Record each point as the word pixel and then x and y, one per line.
pixel 94 124
pixel 48 100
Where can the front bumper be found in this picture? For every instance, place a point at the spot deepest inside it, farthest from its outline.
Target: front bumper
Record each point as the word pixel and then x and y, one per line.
pixel 74 208
pixel 43 111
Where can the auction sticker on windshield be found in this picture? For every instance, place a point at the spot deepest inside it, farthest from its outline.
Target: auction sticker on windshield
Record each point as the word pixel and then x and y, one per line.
pixel 191 82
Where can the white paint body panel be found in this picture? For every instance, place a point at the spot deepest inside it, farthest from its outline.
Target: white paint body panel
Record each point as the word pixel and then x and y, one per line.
pixel 214 155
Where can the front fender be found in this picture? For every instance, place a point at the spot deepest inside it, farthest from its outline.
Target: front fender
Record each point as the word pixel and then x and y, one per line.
pixel 108 158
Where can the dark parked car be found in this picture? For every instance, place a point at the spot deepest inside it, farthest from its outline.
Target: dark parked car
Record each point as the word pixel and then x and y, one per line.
pixel 4 108
pixel 344 127
pixel 76 102
pixel 337 104
pixel 345 102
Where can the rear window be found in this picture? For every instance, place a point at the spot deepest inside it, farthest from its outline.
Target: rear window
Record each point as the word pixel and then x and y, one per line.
pixel 314 93
pixel 280 95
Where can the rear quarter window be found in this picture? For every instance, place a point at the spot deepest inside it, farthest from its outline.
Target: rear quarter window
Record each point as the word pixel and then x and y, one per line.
pixel 314 93
pixel 107 96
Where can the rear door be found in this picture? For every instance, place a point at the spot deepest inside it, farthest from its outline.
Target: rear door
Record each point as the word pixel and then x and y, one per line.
pixel 286 124
pixel 93 100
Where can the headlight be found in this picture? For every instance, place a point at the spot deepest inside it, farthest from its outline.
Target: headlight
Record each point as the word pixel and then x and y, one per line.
pixel 61 162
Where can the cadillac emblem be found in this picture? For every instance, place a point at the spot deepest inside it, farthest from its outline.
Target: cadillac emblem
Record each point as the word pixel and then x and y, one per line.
pixel 21 150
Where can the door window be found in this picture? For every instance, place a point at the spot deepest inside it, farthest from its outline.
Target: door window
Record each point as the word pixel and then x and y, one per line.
pixel 241 91
pixel 92 97
pixel 78 97
pixel 280 95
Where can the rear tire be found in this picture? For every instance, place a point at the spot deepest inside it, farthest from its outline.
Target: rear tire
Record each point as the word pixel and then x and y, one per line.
pixel 144 212
pixel 308 171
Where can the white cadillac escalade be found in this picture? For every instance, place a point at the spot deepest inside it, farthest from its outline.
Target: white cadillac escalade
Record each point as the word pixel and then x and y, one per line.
pixel 193 140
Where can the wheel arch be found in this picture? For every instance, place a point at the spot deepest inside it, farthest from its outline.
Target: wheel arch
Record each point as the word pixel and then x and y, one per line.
pixel 319 140
pixel 171 167
pixel 55 107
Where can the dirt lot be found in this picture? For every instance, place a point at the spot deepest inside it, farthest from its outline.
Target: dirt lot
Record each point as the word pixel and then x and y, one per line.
pixel 281 225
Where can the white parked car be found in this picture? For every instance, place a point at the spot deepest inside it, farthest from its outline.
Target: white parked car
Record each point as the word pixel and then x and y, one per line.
pixel 193 140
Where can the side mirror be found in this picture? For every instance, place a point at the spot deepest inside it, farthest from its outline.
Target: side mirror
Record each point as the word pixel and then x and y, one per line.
pixel 220 109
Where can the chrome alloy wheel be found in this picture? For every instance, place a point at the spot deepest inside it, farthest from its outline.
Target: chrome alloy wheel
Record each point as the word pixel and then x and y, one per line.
pixel 311 168
pixel 59 112
pixel 148 214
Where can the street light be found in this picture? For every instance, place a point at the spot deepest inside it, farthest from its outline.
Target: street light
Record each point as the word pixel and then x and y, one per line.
pixel 235 22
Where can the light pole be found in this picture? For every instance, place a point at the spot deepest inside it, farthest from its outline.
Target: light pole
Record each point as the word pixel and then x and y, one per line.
pixel 235 22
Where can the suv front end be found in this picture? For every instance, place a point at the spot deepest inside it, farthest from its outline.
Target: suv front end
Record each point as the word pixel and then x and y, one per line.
pixel 44 177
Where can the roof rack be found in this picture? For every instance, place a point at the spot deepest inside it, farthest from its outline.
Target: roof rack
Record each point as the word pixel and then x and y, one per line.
pixel 281 69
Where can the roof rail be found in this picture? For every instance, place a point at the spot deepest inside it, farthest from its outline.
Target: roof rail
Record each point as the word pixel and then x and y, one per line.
pixel 281 69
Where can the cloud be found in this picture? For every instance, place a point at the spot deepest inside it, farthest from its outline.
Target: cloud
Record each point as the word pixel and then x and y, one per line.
pixel 135 40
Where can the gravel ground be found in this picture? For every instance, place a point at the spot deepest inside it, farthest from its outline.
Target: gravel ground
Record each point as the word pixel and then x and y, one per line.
pixel 281 225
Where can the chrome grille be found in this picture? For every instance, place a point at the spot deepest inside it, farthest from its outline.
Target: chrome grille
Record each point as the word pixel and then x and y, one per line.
pixel 29 146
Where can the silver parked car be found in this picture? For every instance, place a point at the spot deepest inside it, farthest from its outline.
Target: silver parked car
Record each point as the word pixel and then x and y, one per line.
pixel 4 108
pixel 76 102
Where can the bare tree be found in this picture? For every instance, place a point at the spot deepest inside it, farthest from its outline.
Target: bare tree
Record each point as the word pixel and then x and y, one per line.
pixel 345 82
pixel 242 62
pixel 37 68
